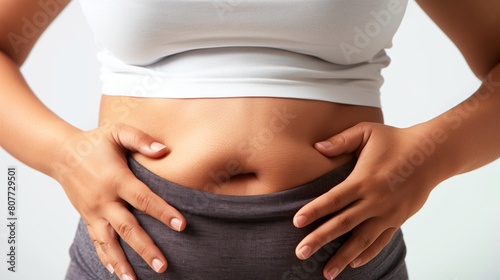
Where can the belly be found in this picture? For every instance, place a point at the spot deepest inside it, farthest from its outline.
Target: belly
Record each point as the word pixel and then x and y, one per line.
pixel 238 146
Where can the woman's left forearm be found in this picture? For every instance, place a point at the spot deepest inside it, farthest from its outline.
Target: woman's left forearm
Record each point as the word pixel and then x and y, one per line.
pixel 471 128
pixel 467 136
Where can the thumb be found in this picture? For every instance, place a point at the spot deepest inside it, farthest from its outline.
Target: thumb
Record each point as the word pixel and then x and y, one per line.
pixel 136 140
pixel 346 142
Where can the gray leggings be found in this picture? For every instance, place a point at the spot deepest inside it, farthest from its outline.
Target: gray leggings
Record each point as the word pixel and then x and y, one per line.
pixel 235 237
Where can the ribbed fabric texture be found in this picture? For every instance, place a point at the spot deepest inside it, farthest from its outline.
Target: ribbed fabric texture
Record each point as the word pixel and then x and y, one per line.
pixel 329 50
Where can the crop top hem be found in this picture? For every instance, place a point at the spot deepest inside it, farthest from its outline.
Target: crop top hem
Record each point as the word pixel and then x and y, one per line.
pixel 137 85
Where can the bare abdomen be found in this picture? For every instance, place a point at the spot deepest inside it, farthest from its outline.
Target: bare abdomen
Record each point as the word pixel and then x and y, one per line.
pixel 238 146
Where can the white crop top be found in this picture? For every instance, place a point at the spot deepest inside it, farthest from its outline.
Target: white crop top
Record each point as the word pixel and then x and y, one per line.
pixel 329 50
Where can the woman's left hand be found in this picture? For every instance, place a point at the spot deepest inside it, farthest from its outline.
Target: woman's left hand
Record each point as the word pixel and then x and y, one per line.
pixel 395 172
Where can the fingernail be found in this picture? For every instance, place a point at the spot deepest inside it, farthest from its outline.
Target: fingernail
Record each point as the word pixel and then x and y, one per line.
pixel 324 144
pixel 110 268
pixel 155 146
pixel 300 220
pixel 305 251
pixel 126 277
pixel 333 273
pixel 157 265
pixel 176 224
pixel 356 263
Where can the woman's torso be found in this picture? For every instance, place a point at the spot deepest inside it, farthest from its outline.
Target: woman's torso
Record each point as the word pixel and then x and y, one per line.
pixel 244 142
pixel 238 146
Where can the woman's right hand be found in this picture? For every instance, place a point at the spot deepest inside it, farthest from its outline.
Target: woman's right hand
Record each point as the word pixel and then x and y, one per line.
pixel 96 178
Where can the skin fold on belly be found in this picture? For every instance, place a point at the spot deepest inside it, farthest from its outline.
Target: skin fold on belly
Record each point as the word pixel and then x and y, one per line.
pixel 237 146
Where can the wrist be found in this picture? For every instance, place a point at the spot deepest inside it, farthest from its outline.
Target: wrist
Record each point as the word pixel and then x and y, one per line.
pixel 434 152
pixel 67 153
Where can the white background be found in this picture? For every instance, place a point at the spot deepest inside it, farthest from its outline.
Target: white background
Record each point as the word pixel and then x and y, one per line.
pixel 456 236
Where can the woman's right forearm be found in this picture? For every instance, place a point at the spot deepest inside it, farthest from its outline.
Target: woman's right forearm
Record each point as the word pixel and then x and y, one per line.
pixel 29 130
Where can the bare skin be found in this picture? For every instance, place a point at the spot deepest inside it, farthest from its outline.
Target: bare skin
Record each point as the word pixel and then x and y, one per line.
pixel 367 203
pixel 377 197
pixel 238 146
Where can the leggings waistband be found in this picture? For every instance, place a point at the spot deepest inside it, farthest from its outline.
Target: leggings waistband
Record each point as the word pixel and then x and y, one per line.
pixel 274 205
pixel 235 237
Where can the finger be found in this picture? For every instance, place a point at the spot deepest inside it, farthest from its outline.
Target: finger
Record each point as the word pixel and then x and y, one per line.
pixel 330 202
pixel 332 229
pixel 129 229
pixel 361 239
pixel 100 253
pixel 375 248
pixel 143 199
pixel 109 250
pixel 136 140
pixel 104 259
pixel 346 142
